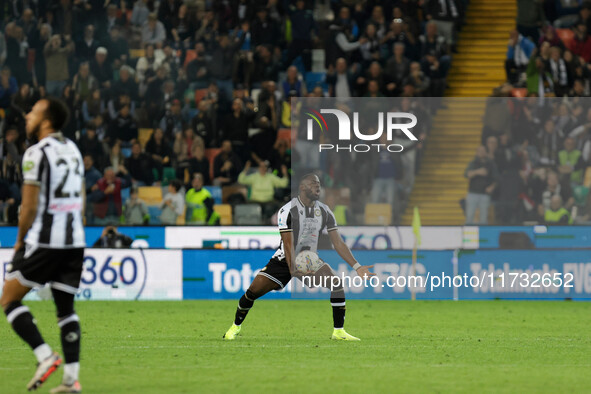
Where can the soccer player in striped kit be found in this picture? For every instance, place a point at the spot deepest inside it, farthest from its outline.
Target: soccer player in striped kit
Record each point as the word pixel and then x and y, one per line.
pixel 50 243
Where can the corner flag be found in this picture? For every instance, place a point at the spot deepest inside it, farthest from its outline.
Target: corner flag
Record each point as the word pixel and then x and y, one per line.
pixel 416 225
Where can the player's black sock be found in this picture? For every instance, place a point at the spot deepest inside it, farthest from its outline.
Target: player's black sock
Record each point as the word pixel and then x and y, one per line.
pixel 244 304
pixel 70 336
pixel 338 311
pixel 23 324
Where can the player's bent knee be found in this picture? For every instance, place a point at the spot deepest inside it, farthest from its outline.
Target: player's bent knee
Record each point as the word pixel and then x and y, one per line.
pixel 250 295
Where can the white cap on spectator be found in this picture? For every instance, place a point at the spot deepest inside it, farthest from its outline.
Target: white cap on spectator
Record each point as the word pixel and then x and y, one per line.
pixel 101 51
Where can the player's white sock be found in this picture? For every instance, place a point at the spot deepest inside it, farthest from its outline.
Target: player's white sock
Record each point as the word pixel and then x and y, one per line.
pixel 42 352
pixel 71 371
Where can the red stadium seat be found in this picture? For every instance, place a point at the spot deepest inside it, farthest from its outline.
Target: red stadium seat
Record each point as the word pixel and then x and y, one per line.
pixel 284 134
pixel 211 153
pixel 567 36
pixel 190 55
pixel 519 92
pixel 199 94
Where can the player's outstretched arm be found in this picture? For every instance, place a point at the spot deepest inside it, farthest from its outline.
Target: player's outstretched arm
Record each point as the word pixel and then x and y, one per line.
pixel 30 197
pixel 343 250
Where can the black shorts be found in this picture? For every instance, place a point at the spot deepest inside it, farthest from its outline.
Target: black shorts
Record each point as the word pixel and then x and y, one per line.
pixel 278 271
pixel 61 268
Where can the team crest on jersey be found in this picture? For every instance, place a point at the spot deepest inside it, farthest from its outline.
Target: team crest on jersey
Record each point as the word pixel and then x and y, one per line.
pixel 317 212
pixel 28 166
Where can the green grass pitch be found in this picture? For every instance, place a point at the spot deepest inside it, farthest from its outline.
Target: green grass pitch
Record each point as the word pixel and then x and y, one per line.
pixel 423 346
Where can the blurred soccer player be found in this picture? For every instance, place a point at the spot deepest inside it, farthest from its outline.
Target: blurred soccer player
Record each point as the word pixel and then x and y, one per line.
pixel 50 243
pixel 300 223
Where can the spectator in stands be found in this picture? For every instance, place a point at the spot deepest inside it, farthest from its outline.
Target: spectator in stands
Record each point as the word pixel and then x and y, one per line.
pixel 17 49
pixel 293 83
pixel 140 13
pixel 446 14
pixel 263 183
pixel 570 162
pixel 84 82
pixel 173 204
pixel 519 52
pixel 87 46
pixel 556 213
pixel 549 35
pixel 544 190
pixel 417 83
pixel 153 31
pixel 203 124
pixel 184 144
pixel 172 122
pixel 483 177
pixel 200 203
pixel 530 17
pixel 139 166
pixel 221 64
pixel 101 69
pixel 559 72
pixel 226 166
pixel 197 73
pixel 235 128
pixel 93 193
pixel 539 80
pixel 511 188
pixel 126 84
pixel 340 80
pixel 386 169
pixel 155 96
pixel 581 44
pixel 158 148
pixel 108 209
pixel 57 56
pixel 8 87
pixel 123 128
pixel 116 158
pixel 397 69
pixel 436 70
pixel 117 48
pixel 135 210
pixel 24 99
pixel 549 142
pixel 303 34
pixel 92 106
pixel 339 44
pixel 199 164
pixel 91 146
pixel 371 47
pixel 148 64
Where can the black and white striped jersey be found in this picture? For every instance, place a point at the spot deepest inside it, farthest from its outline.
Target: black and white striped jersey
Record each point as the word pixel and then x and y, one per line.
pixel 306 223
pixel 55 165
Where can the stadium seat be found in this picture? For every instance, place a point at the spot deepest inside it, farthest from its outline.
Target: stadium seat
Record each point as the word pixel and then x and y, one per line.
pixel 225 212
pixel 378 214
pixel 314 79
pixel 199 94
pixel 154 212
pixel 567 36
pixel 211 153
pixel 587 178
pixel 519 92
pixel 216 193
pixel 135 53
pixel 189 56
pixel 227 191
pixel 284 134
pixel 168 174
pixel 248 215
pixel 152 195
pixel 144 136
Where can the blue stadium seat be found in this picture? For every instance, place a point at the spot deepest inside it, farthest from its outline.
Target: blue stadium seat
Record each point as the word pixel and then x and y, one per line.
pixel 216 193
pixel 126 152
pixel 314 79
pixel 154 212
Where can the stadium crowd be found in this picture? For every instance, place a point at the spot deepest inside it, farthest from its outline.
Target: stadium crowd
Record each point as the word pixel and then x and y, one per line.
pixel 532 166
pixel 189 95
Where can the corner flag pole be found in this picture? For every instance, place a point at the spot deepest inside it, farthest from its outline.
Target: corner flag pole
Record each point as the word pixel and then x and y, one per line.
pixel 416 229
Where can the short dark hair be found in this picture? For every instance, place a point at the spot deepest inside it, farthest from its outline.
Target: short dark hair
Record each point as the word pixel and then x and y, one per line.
pixel 176 184
pixel 307 176
pixel 57 113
